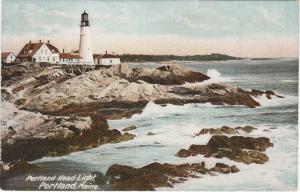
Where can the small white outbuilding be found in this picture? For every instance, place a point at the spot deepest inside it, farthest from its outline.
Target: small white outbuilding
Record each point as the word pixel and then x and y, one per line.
pixel 107 59
pixel 8 57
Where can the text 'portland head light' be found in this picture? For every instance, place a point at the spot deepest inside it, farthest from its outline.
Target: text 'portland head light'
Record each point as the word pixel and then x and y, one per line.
pixel 85 46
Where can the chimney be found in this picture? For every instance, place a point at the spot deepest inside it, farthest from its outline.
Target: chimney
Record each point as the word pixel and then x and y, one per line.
pixel 63 50
pixel 30 42
pixel 40 41
pixel 48 41
pixel 105 52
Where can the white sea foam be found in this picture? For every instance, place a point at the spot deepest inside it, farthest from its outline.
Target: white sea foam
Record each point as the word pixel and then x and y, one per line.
pixel 216 77
pixel 254 177
pixel 153 110
pixel 275 101
pixel 213 73
pixel 289 81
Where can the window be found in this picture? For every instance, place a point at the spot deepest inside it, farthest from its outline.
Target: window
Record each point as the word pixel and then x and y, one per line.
pixel 42 51
pixel 48 59
pixel 40 58
pixel 53 58
pixel 110 61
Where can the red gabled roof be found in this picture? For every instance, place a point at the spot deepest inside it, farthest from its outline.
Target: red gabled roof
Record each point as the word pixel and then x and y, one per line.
pixel 4 55
pixel 52 48
pixel 32 48
pixel 69 56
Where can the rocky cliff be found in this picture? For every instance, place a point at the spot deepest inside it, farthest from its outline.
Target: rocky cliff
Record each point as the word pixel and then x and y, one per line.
pixel 54 91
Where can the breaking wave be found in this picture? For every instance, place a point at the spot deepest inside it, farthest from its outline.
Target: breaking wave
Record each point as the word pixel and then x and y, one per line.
pixel 213 73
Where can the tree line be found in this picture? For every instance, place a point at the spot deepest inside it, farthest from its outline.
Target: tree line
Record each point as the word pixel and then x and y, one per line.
pixel 159 58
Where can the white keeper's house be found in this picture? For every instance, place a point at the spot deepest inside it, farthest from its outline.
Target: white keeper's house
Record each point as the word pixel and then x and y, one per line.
pixel 39 52
pixel 69 58
pixel 107 59
pixel 7 57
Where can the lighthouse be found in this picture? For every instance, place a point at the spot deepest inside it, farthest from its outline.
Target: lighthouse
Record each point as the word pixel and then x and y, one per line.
pixel 85 46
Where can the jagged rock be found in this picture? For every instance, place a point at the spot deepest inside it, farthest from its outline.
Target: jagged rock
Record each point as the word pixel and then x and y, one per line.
pixel 5 95
pixel 129 128
pixel 225 169
pixel 52 136
pixel 247 129
pixel 258 144
pixel 167 75
pixel 256 92
pixel 184 153
pixel 221 168
pixel 266 130
pixel 238 148
pixel 151 176
pixel 15 73
pixel 268 93
pixel 15 168
pixel 225 130
pixel 234 169
pixel 150 133
pixel 228 130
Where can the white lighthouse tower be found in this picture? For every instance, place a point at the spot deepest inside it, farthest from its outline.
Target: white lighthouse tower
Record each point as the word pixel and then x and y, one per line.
pixel 85 46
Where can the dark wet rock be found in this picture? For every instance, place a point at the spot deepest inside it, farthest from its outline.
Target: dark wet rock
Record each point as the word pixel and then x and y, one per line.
pixel 232 98
pixel 10 72
pixel 238 148
pixel 21 101
pixel 20 167
pixel 226 130
pixel 256 92
pixel 150 134
pixel 258 144
pixel 266 130
pixel 268 93
pixel 221 168
pixel 225 169
pixel 167 75
pixel 211 131
pixel 247 129
pixel 184 153
pixel 129 128
pixel 5 95
pixel 109 110
pixel 15 168
pixel 100 178
pixel 56 137
pixel 151 176
pixel 15 73
pixel 234 169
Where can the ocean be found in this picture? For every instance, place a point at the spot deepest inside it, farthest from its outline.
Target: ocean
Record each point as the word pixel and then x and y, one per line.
pixel 174 128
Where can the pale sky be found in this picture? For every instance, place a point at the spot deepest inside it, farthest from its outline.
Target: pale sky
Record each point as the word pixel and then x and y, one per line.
pixel 238 28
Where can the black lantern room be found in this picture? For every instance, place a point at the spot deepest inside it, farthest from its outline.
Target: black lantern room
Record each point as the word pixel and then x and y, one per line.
pixel 84 19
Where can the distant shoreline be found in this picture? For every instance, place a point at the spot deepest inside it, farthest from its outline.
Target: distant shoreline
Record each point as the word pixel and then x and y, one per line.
pixel 170 62
pixel 165 58
pixel 214 57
